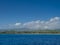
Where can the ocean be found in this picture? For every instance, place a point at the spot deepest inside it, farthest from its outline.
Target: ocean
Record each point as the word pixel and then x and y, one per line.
pixel 29 39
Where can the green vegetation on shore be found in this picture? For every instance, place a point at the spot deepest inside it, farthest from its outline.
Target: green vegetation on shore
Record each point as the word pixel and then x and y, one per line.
pixel 31 32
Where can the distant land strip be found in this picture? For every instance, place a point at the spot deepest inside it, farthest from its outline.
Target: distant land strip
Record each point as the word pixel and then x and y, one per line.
pixel 31 32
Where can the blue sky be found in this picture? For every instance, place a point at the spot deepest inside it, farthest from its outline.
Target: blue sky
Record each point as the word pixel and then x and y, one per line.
pixel 12 11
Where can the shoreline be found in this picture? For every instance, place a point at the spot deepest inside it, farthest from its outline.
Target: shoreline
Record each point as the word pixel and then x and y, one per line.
pixel 30 34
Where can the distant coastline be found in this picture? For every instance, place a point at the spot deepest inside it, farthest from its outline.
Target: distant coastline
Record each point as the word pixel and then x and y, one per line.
pixel 31 32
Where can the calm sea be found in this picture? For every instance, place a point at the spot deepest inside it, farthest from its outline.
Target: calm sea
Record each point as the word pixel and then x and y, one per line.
pixel 29 39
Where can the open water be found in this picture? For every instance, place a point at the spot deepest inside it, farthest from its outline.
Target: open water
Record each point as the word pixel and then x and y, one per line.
pixel 29 39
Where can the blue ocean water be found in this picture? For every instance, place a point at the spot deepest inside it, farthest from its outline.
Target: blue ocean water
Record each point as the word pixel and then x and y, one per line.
pixel 29 39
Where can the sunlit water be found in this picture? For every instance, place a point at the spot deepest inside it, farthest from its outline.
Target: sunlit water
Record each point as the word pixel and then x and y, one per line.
pixel 29 39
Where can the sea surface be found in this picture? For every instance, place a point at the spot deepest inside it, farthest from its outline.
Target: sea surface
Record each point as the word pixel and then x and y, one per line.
pixel 29 39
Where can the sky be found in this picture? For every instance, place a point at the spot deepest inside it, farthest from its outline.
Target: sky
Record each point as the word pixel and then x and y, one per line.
pixel 16 13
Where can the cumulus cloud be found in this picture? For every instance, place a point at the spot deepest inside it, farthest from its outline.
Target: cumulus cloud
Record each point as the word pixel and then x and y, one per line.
pixel 17 24
pixel 53 23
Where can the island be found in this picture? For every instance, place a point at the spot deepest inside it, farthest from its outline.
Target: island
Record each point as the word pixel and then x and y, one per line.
pixel 30 32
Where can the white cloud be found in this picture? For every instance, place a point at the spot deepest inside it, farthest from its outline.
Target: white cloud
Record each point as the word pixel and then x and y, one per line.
pixel 53 23
pixel 17 24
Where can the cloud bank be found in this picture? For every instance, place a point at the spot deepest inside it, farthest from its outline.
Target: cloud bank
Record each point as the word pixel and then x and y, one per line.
pixel 53 23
